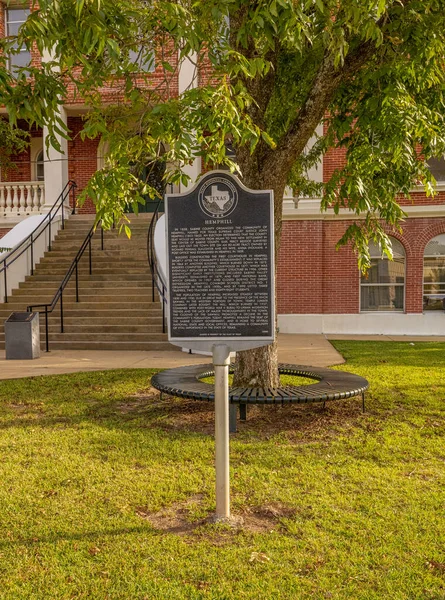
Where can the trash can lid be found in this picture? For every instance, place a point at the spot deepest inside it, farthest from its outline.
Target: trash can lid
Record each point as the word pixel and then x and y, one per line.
pixel 21 317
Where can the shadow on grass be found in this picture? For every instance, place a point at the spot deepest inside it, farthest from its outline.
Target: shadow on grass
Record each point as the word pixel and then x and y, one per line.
pixel 124 399
pixel 80 537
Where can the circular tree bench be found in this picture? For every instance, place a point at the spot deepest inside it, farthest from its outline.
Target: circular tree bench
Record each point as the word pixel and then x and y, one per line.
pixel 185 382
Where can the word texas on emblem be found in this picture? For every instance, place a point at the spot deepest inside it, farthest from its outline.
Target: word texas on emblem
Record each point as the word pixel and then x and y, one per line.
pixel 218 197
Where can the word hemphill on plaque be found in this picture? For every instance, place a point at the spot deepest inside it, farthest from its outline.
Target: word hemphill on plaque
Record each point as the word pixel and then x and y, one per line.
pixel 220 265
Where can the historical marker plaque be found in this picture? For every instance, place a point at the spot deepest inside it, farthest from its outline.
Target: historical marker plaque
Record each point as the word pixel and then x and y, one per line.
pixel 220 264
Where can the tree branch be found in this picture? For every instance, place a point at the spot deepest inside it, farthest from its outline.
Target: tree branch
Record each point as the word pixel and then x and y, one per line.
pixel 325 84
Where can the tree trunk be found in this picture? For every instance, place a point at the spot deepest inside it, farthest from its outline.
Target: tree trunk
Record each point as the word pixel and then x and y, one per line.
pixel 259 367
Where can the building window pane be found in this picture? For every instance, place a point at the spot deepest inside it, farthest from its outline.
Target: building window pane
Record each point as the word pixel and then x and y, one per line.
pixel 145 61
pixel 15 17
pixel 437 168
pixel 434 274
pixel 40 172
pixel 382 297
pixel 383 287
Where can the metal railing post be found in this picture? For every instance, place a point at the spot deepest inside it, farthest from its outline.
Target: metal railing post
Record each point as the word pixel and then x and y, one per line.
pixel 32 256
pixel 61 312
pixel 49 233
pixel 101 237
pixel 73 189
pixel 5 281
pixel 163 309
pixel 90 257
pixel 77 282
pixel 46 328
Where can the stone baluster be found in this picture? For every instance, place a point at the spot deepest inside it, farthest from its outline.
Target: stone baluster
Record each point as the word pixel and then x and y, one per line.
pixel 21 199
pixel 30 191
pixel 41 197
pixel 8 199
pixel 2 200
pixel 15 200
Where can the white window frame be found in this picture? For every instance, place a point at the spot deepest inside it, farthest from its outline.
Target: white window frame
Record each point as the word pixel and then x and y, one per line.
pixel 369 285
pixel 9 22
pixel 441 283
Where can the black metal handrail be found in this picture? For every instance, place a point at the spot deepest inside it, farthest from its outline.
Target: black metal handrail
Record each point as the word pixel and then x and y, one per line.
pixel 29 241
pixel 156 276
pixel 73 268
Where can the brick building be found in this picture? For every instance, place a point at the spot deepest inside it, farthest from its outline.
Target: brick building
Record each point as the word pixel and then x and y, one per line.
pixel 319 289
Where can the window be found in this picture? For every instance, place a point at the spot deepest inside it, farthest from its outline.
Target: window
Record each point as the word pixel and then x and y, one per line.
pixel 434 274
pixel 40 172
pixel 143 59
pixel 15 17
pixel 383 286
pixel 230 153
pixel 437 168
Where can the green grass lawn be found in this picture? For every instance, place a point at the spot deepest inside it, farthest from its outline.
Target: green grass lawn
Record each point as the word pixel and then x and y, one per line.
pixel 104 489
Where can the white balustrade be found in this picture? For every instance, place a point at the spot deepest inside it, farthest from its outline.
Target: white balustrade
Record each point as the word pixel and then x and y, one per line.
pixel 21 198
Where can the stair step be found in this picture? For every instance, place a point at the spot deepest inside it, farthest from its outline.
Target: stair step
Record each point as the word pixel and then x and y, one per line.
pixel 79 309
pixel 86 284
pixel 110 270
pixel 137 321
pixel 86 289
pixel 107 337
pixel 86 277
pixel 95 259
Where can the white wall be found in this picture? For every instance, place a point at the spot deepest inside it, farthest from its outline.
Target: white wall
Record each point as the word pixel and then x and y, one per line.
pixel 429 323
pixel 21 267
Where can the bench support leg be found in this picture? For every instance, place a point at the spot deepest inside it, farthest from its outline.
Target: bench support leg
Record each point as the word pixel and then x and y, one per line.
pixel 232 418
pixel 243 412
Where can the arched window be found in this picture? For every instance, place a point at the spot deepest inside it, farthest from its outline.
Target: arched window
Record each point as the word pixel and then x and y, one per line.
pixel 40 169
pixel 383 286
pixel 434 274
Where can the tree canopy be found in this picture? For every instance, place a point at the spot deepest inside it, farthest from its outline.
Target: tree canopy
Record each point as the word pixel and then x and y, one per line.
pixel 373 71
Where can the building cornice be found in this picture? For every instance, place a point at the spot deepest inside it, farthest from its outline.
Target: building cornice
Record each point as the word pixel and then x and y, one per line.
pixel 310 210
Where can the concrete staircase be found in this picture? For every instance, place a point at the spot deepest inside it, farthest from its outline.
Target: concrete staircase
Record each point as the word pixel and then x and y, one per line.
pixel 115 309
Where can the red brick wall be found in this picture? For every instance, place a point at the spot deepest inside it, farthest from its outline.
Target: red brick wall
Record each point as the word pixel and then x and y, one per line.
pixel 314 278
pixel 3 232
pixel 82 160
pixel 22 170
pixel 299 288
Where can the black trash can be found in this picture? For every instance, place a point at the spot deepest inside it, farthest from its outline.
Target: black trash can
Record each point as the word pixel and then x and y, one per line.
pixel 22 336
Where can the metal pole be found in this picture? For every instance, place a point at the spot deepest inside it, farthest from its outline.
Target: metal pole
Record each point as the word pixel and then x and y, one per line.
pixel 163 309
pixel 221 361
pixel 89 252
pixel 61 312
pixel 101 237
pixel 5 281
pixel 46 328
pixel 32 256
pixel 49 232
pixel 77 284
pixel 74 199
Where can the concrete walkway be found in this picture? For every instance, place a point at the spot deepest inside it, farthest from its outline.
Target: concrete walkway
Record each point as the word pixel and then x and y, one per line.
pixel 296 349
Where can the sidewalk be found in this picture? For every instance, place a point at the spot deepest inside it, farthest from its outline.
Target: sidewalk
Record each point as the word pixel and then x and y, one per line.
pixel 295 349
